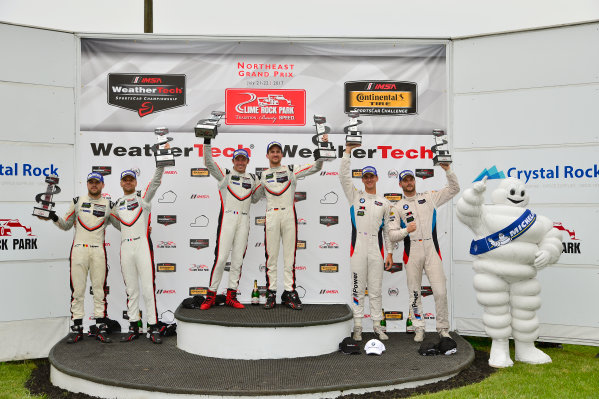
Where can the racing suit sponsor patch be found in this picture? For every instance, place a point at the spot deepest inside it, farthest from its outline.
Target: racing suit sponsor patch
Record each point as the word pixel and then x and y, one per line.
pixel 421 201
pixel 377 203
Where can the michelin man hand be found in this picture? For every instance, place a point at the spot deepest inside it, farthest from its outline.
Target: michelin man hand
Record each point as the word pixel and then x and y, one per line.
pixel 542 259
pixel 480 186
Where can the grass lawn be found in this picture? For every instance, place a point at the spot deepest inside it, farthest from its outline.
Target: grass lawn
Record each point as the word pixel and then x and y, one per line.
pixel 574 373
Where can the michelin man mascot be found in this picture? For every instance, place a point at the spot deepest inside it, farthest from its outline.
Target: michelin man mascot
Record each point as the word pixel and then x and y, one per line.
pixel 511 244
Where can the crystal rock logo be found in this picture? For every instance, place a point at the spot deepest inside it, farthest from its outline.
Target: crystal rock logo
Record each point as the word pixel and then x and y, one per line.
pixel 146 94
pixel 491 174
pixel 265 107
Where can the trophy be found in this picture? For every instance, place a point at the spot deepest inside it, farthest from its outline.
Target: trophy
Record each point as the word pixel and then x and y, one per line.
pixel 164 156
pixel 206 128
pixel 45 199
pixel 440 149
pixel 325 150
pixel 354 136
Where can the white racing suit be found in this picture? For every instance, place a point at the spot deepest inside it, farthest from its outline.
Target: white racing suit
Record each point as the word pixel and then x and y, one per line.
pixel 421 248
pixel 370 223
pixel 281 221
pixel 88 254
pixel 137 254
pixel 237 192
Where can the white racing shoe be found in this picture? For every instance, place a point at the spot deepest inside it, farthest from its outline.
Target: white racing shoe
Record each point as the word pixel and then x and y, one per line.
pixel 419 336
pixel 444 333
pixel 380 333
pixel 357 335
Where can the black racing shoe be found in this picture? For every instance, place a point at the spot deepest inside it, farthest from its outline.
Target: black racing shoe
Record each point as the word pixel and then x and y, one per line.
pixel 271 300
pixel 102 333
pixel 291 299
pixel 154 334
pixel 132 334
pixel 75 335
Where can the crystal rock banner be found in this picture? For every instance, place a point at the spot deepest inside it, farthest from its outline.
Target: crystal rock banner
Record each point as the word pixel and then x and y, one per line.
pixel 269 91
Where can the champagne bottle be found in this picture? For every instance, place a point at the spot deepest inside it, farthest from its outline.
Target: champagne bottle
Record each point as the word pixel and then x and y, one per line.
pixel 384 321
pixel 409 326
pixel 255 294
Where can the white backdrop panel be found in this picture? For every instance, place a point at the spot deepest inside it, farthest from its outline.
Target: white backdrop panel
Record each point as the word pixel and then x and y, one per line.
pixel 552 175
pixel 34 290
pixel 550 57
pixel 55 124
pixel 548 116
pixel 38 56
pixel 24 166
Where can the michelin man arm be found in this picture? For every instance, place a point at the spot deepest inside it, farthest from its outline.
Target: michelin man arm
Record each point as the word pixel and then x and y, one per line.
pixel 550 249
pixel 470 206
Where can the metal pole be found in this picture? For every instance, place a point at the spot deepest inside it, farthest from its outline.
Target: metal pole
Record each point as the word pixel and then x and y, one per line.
pixel 148 16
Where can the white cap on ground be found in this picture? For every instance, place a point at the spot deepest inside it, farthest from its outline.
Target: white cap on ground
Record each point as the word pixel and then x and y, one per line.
pixel 374 347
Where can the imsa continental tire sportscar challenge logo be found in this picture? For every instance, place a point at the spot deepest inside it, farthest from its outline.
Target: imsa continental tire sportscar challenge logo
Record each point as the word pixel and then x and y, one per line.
pixel 381 97
pixel 146 93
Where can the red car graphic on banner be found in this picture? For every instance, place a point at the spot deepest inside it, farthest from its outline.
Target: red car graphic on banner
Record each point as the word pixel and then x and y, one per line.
pixel 265 107
pixel 8 225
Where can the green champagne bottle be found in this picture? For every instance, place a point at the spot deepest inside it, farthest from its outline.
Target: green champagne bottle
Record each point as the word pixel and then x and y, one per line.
pixel 255 294
pixel 409 326
pixel 384 321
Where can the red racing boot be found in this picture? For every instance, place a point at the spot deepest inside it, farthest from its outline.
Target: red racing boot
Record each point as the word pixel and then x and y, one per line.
pixel 209 301
pixel 232 299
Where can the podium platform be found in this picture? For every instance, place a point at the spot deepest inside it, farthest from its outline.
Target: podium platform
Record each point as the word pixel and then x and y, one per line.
pixel 140 369
pixel 257 333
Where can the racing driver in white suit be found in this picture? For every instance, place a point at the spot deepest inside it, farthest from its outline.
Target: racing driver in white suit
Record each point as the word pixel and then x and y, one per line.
pixel 137 255
pixel 90 215
pixel 370 216
pixel 278 184
pixel 237 191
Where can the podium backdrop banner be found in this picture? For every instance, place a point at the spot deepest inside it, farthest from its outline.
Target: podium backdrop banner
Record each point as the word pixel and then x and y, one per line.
pixel 269 91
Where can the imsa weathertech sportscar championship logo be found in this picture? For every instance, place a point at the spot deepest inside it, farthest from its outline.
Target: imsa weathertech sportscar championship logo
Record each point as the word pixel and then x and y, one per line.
pixel 198 243
pixel 265 107
pixel 166 219
pixel 329 220
pixel 378 97
pixel 103 170
pixel 146 93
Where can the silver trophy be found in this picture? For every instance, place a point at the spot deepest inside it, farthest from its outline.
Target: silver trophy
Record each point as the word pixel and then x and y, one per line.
pixel 325 150
pixel 45 208
pixel 164 156
pixel 354 136
pixel 207 128
pixel 441 148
